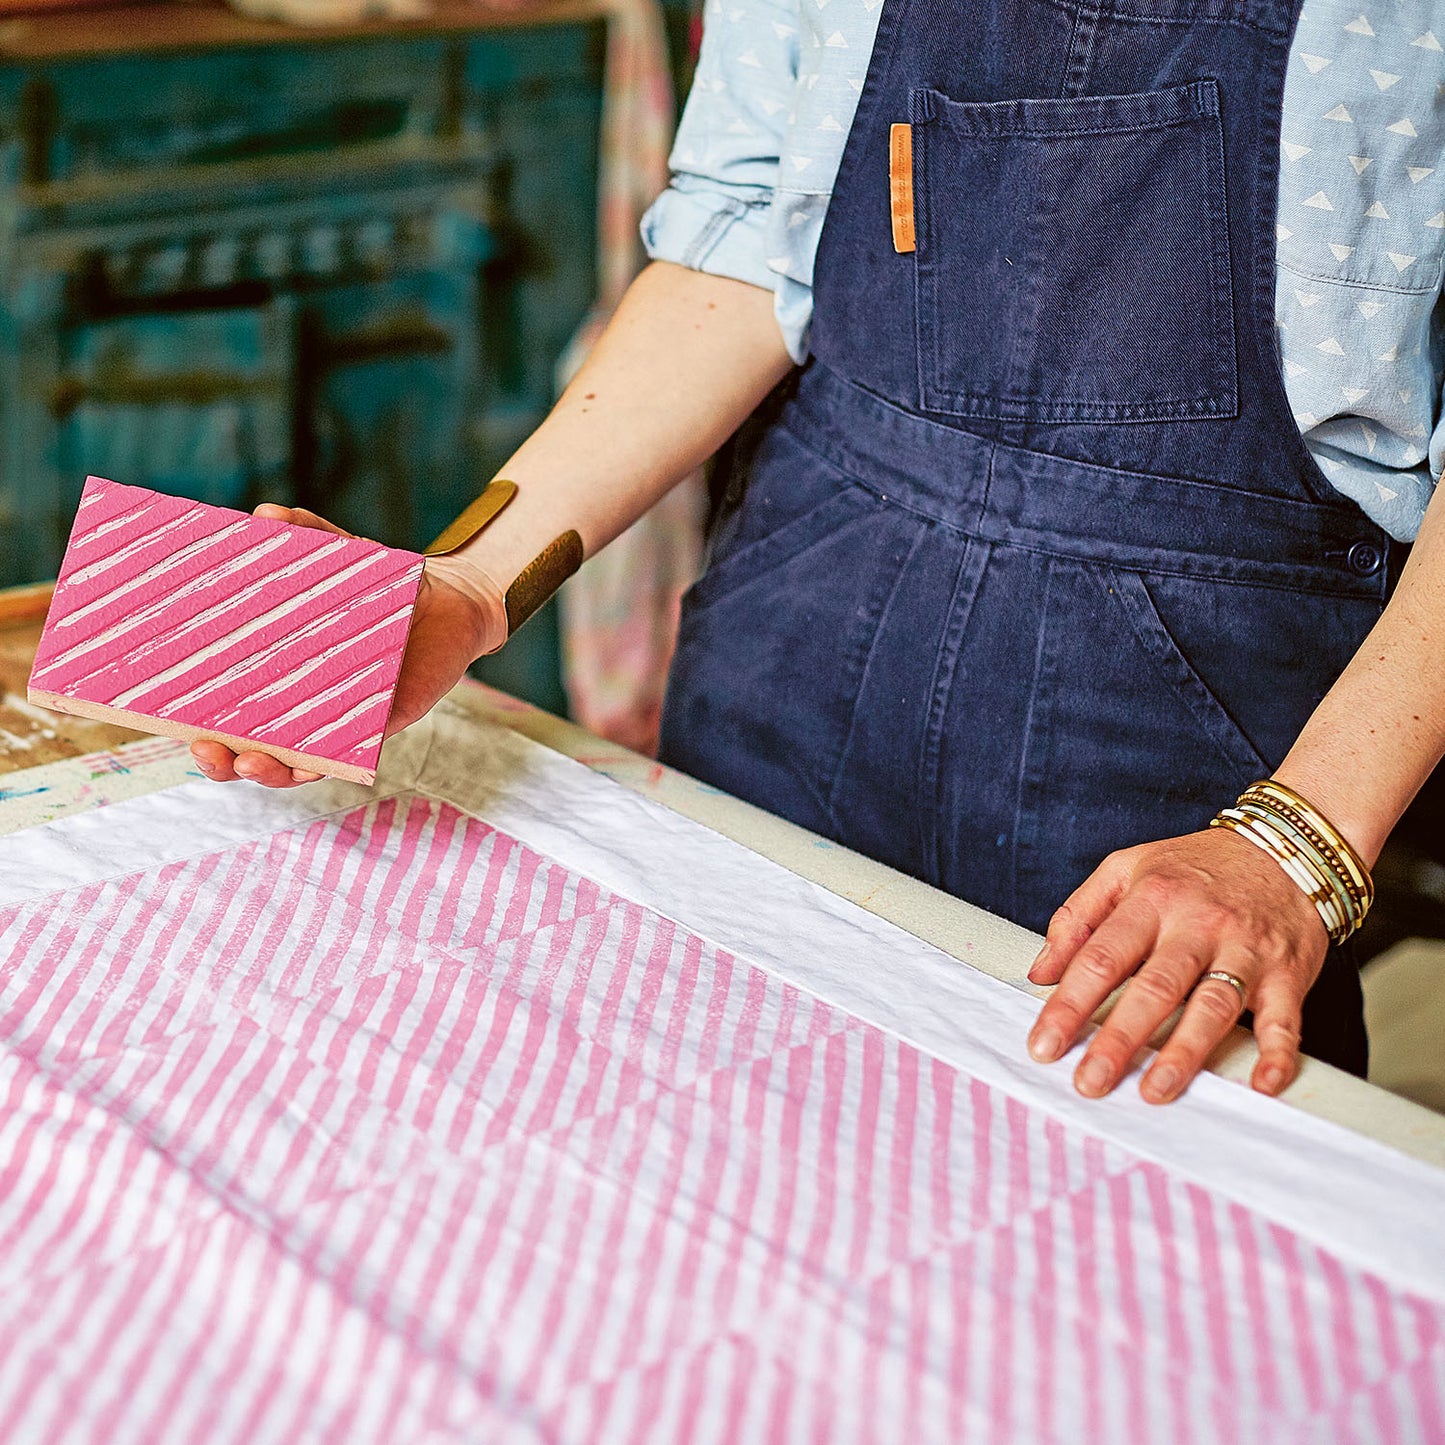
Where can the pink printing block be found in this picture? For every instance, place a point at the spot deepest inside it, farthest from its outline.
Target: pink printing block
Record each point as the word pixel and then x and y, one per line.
pixel 175 617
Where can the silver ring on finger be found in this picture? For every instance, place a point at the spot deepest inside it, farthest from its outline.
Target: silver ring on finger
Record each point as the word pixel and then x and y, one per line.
pixel 1236 983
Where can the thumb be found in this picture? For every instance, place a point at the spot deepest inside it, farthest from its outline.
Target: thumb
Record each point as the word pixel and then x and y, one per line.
pixel 299 517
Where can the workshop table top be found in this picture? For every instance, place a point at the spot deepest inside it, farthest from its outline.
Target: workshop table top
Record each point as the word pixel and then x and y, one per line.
pixel 55 766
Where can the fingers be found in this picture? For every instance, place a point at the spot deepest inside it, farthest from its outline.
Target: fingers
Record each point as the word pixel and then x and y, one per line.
pixel 221 765
pixel 215 760
pixel 1212 1011
pixel 264 769
pixel 299 517
pixel 1081 913
pixel 1159 987
pixel 1277 1015
pixel 1168 913
pixel 1114 950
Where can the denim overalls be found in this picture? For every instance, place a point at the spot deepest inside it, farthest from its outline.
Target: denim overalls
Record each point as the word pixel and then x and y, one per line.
pixel 1030 562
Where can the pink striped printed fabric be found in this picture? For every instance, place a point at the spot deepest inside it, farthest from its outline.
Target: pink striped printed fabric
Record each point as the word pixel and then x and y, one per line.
pixel 389 1129
pixel 211 619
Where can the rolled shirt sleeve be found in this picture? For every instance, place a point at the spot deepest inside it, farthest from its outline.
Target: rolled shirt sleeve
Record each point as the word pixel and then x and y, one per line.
pixel 1360 240
pixel 714 216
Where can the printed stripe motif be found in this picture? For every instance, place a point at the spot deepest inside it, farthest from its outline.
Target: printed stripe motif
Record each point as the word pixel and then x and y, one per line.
pixel 199 615
pixel 389 1129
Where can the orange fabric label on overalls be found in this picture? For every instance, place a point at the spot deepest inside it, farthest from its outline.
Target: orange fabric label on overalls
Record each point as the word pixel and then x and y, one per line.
pixel 900 187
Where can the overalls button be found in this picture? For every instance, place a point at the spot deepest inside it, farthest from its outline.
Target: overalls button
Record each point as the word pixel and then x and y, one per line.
pixel 1365 559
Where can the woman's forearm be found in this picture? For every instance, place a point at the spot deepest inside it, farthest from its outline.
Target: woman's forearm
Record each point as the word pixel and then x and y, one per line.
pixel 1380 730
pixel 683 362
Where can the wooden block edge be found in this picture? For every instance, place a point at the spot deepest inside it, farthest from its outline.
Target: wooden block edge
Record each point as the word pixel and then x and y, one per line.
pixel 183 732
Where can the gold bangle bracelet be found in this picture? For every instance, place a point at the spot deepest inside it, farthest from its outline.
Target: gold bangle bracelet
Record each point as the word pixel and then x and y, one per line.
pixel 1330 864
pixel 1337 923
pixel 1352 897
pixel 477 517
pixel 539 579
pixel 1281 796
pixel 1348 867
pixel 1313 853
pixel 1336 906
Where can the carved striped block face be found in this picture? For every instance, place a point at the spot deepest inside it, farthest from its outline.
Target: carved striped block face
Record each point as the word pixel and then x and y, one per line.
pixel 195 621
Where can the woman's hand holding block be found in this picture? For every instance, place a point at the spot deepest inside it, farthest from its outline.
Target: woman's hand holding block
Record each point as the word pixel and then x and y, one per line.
pixel 175 617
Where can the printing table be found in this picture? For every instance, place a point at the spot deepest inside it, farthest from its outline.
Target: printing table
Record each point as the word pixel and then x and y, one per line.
pixel 922 911
pixel 502 1102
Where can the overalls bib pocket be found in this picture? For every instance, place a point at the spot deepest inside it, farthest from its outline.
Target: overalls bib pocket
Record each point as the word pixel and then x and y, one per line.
pixel 1073 257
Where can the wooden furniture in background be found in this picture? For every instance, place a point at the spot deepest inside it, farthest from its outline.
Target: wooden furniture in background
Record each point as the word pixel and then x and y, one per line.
pixel 30 736
pixel 244 261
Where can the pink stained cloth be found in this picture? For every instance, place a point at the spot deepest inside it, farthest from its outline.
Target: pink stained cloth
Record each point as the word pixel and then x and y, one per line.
pixel 216 620
pixel 386 1128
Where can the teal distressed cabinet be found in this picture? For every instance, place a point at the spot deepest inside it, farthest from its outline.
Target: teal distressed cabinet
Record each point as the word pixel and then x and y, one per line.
pixel 246 262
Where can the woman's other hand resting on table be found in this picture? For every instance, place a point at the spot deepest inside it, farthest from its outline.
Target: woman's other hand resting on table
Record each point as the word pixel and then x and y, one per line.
pixel 1162 915
pixel 1185 907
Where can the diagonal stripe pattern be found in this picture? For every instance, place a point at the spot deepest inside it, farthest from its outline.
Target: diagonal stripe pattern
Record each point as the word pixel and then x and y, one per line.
pixel 205 618
pixel 388 1129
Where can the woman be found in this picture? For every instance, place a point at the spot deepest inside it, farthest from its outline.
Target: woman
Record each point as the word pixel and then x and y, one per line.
pixel 1027 571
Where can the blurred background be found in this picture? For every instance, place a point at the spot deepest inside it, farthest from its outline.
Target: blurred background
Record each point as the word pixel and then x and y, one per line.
pixel 341 254
pixel 322 252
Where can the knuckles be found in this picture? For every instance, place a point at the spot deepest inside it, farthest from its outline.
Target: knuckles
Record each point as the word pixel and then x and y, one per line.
pixel 1122 860
pixel 1219 1004
pixel 1222 900
pixel 1275 1034
pixel 1161 989
pixel 1243 918
pixel 1101 965
pixel 1066 927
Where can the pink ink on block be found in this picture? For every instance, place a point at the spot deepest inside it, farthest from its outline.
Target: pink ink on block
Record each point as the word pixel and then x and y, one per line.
pixel 174 617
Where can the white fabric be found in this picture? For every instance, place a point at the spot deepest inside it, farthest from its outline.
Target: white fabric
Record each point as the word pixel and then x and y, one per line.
pixel 1360 1199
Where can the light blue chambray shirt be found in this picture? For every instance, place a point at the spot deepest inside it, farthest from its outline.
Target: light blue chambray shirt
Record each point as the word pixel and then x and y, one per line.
pixel 1361 223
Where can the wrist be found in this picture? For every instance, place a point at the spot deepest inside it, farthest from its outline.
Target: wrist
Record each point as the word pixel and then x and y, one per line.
pixel 511 563
pixel 1329 789
pixel 474 584
pixel 1320 860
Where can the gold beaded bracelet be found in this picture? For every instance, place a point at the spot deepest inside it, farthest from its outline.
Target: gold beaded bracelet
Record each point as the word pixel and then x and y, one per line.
pixel 1311 878
pixel 1346 899
pixel 1313 853
pixel 1285 803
